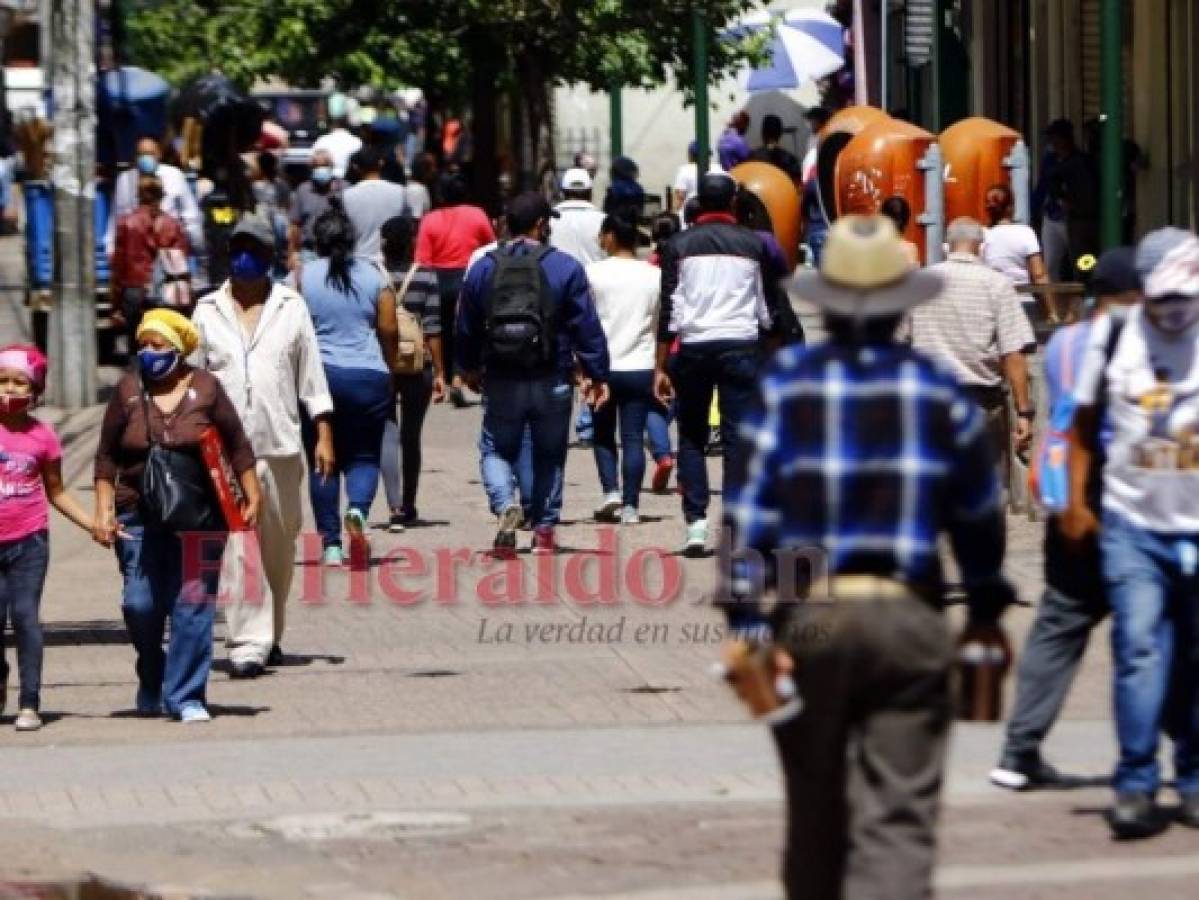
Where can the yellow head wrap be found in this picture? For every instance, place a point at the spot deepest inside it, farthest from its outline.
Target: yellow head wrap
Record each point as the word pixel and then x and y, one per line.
pixel 173 326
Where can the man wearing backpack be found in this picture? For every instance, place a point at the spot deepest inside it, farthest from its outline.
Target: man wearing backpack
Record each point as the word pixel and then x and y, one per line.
pixel 1148 389
pixel 526 314
pixel 1075 600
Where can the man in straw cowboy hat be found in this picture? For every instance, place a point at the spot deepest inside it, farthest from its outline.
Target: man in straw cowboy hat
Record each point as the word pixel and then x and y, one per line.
pixel 859 453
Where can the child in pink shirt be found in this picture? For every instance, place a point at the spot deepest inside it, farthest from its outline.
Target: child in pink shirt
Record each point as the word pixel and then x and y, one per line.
pixel 30 473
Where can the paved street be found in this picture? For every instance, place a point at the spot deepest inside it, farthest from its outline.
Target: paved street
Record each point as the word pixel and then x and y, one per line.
pixel 551 748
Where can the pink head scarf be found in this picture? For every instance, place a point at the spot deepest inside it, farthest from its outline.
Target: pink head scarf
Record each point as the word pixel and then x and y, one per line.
pixel 28 360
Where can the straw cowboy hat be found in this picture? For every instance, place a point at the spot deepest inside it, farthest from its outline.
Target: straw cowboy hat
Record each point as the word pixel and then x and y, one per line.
pixel 865 272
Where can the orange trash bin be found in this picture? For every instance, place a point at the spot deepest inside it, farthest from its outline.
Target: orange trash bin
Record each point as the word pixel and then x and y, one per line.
pixel 973 151
pixel 781 198
pixel 883 161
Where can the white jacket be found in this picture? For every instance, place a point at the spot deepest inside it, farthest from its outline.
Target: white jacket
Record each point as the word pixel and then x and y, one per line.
pixel 265 376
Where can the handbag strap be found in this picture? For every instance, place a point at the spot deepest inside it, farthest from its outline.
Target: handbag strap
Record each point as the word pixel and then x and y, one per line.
pixel 403 292
pixel 146 412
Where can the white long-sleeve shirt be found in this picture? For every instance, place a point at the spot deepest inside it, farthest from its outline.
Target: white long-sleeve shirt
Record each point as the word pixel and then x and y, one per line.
pixel 627 293
pixel 177 199
pixel 269 374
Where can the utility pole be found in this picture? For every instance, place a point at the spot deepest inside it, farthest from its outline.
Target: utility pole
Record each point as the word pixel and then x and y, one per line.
pixel 703 139
pixel 1112 122
pixel 70 70
pixel 615 119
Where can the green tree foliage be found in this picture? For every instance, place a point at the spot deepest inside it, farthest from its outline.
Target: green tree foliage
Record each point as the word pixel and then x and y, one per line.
pixel 431 43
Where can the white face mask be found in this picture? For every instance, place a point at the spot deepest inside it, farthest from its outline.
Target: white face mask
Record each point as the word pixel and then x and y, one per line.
pixel 1173 313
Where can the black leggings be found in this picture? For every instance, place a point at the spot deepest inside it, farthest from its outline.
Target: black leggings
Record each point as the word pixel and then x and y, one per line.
pixel 414 393
pixel 449 286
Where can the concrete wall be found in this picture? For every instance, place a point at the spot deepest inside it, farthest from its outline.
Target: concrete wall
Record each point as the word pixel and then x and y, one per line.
pixel 657 126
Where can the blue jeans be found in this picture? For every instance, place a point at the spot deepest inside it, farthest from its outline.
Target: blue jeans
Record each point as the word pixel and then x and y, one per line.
pixel 1154 592
pixel 632 398
pixel 22 574
pixel 542 405
pixel 657 427
pixel 362 403
pixel 696 371
pixel 157 588
pixel 493 471
pixel 584 423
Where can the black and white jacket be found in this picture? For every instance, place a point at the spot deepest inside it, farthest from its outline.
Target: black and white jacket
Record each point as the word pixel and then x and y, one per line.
pixel 717 285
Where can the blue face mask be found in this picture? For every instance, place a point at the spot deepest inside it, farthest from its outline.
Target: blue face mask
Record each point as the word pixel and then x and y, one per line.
pixel 147 164
pixel 322 175
pixel 157 364
pixel 245 266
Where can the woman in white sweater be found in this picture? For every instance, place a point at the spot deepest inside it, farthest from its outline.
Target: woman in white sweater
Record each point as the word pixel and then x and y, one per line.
pixel 626 294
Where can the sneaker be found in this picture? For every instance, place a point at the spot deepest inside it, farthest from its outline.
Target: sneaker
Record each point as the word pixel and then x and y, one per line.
pixel 1188 809
pixel 697 539
pixel 661 478
pixel 395 524
pixel 1134 816
pixel 1025 775
pixel 248 669
pixel 147 704
pixel 543 540
pixel 194 711
pixel 332 556
pixel 630 516
pixel 409 516
pixel 458 398
pixel 505 536
pixel 715 445
pixel 28 720
pixel 606 511
pixel 355 526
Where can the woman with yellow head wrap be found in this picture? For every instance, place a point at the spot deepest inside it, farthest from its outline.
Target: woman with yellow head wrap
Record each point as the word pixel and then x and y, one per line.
pixel 159 326
pixel 166 405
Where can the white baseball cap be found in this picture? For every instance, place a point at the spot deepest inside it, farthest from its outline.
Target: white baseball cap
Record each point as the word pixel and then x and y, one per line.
pixel 576 180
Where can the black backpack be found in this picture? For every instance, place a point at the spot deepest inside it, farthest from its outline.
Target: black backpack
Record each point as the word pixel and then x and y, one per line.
pixel 520 312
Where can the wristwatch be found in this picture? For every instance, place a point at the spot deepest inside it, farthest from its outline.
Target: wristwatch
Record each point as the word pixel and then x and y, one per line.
pixel 1030 413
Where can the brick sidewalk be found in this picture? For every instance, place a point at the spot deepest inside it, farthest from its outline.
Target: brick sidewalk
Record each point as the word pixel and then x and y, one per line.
pixel 616 764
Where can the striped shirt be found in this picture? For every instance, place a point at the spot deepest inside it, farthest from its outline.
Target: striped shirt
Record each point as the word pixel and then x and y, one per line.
pixel 975 321
pixel 422 299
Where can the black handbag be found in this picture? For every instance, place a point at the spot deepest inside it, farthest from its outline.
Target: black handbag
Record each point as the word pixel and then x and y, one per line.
pixel 176 491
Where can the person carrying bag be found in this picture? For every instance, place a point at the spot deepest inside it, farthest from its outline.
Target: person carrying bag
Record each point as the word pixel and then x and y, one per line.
pixel 156 504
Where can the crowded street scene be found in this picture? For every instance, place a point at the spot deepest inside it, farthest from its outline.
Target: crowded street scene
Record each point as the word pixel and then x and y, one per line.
pixel 659 450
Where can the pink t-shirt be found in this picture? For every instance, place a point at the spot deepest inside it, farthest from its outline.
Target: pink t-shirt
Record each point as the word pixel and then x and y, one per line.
pixel 23 452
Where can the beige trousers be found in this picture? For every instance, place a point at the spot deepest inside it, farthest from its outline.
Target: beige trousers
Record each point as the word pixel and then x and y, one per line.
pixel 257 568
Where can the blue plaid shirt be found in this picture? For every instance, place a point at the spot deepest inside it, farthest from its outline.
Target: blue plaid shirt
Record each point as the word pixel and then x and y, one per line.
pixel 863 455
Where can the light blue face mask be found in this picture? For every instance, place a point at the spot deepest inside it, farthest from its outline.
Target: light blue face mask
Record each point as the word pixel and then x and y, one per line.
pixel 147 163
pixel 322 175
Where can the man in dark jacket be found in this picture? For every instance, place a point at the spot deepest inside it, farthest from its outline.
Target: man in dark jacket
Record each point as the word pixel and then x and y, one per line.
pixel 719 300
pixel 523 354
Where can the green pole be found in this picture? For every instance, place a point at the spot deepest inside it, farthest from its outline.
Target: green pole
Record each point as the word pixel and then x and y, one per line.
pixel 1112 119
pixel 615 119
pixel 699 32
pixel 938 24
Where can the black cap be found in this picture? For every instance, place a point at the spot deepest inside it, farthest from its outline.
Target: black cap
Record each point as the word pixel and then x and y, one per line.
pixel 525 210
pixel 1115 273
pixel 716 192
pixel 1060 128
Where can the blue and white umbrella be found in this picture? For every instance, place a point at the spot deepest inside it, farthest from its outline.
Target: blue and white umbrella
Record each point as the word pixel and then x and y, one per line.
pixel 807 45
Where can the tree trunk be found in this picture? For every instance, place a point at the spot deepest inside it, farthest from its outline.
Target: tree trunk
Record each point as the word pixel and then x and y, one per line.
pixel 485 70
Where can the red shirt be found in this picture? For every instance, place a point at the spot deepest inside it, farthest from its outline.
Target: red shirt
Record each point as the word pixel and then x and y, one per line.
pixel 448 236
pixel 140 235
